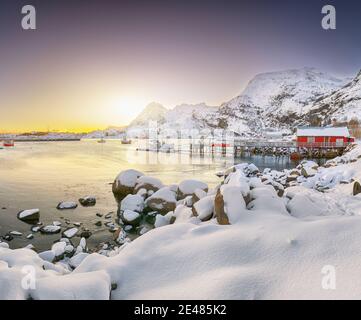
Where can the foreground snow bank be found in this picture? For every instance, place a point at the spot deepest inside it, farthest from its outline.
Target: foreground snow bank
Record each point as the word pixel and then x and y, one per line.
pixel 267 256
pixel 267 235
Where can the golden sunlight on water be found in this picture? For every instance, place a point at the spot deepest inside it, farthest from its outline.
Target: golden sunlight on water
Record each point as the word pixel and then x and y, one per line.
pixel 41 174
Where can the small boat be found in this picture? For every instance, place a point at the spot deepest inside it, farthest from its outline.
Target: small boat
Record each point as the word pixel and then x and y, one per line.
pixel 8 143
pixel 102 140
pixel 126 141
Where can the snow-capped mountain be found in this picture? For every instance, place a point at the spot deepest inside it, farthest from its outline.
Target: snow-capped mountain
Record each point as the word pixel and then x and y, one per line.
pixel 184 116
pixel 274 101
pixel 152 112
pixel 110 132
pixel 341 105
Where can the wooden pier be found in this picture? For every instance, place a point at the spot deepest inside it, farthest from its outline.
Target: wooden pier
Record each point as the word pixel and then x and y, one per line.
pixel 237 147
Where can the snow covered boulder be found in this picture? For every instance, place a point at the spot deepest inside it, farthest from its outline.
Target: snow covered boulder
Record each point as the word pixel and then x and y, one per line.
pixel 266 199
pixel 292 177
pixel 31 215
pixel 120 236
pixel 14 265
pixel 187 188
pixel 204 208
pixel 277 186
pixel 163 201
pixel 161 220
pixel 308 172
pixel 133 202
pixel 221 216
pixel 47 255
pixel 59 248
pixel 125 183
pixel 234 203
pixel 197 195
pixel 4 245
pixel 150 184
pixel 238 179
pixel 356 188
pixel 228 171
pixel 50 229
pixel 131 217
pixel 308 164
pixel 313 203
pixel 65 205
pixel 182 214
pixel 76 260
pixel 250 169
pixel 88 201
pixel 70 233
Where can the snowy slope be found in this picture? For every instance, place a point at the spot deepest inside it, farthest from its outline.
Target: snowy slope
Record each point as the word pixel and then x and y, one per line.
pixel 342 105
pixel 277 99
pixel 188 116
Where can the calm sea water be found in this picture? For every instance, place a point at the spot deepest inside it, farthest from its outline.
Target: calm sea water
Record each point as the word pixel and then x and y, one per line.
pixel 41 174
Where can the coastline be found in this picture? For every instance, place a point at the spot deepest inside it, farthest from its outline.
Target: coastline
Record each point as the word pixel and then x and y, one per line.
pixel 269 214
pixel 46 140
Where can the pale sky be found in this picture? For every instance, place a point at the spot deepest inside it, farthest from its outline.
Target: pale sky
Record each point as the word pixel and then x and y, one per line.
pixel 91 64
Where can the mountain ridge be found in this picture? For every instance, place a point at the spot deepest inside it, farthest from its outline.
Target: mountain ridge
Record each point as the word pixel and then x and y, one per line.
pixel 278 100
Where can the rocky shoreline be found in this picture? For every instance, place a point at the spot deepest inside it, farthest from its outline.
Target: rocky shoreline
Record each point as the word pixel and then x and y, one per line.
pixel 145 203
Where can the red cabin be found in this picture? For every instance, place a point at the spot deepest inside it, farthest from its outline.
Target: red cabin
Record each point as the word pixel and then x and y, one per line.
pixel 323 137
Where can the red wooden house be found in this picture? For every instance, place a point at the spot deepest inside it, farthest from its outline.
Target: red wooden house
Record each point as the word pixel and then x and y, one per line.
pixel 323 137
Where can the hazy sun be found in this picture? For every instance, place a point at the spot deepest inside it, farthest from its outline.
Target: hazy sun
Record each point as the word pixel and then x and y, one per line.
pixel 125 108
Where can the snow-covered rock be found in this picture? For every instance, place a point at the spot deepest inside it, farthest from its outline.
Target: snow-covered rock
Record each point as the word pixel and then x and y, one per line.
pixel 77 259
pixel 59 248
pixel 48 255
pixel 161 221
pixel 182 214
pixel 131 217
pixel 234 204
pixel 64 205
pixel 148 183
pixel 29 215
pixel 16 233
pixel 163 201
pixel 88 201
pixel 71 232
pixel 189 186
pixel 204 208
pixel 50 229
pixel 125 182
pixel 133 203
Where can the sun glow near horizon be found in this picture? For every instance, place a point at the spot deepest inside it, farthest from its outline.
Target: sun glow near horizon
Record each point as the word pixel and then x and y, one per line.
pixel 125 107
pixel 78 113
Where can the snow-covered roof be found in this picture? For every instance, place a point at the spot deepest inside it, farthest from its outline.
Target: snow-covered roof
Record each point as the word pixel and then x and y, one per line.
pixel 323 132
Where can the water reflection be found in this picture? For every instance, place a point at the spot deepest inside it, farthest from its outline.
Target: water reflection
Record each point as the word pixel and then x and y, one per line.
pixel 41 174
